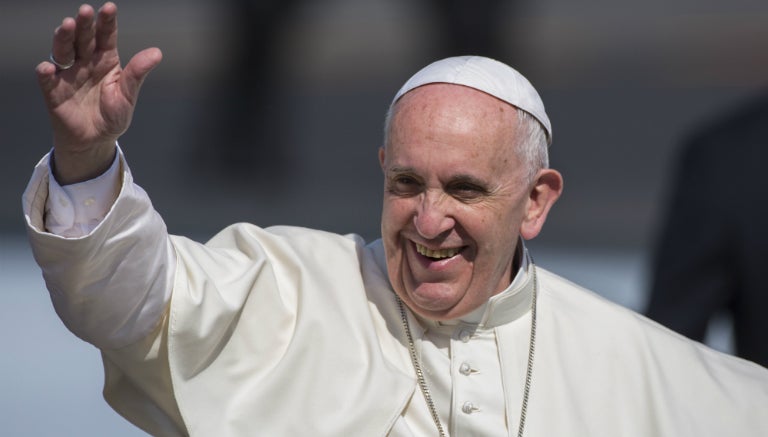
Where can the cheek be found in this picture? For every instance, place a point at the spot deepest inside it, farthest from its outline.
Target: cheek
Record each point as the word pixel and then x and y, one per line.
pixel 395 213
pixel 495 229
pixel 488 221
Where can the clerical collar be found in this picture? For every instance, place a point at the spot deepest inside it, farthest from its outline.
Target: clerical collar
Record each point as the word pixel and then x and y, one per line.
pixel 503 307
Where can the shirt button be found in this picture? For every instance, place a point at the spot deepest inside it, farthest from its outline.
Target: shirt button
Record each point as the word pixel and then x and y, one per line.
pixel 89 201
pixel 468 408
pixel 465 369
pixel 464 335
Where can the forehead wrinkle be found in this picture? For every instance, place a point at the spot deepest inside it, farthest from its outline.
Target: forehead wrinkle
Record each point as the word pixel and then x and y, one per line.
pixel 450 115
pixel 401 169
pixel 451 109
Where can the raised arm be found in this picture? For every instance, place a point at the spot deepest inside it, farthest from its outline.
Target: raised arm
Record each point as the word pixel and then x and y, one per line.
pixel 90 97
pixel 110 279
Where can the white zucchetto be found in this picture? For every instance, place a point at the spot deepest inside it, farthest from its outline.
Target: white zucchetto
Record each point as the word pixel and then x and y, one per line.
pixel 486 75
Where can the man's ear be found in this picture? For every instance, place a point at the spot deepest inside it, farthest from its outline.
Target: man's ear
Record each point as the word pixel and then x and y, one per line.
pixel 544 193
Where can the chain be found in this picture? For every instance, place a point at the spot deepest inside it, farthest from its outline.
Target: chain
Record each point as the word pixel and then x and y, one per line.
pixel 423 382
pixel 417 368
pixel 531 350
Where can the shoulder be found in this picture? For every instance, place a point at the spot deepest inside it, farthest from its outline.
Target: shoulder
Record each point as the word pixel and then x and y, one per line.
pixel 567 295
pixel 623 368
pixel 247 238
pixel 599 327
pixel 290 234
pixel 290 252
pixel 591 312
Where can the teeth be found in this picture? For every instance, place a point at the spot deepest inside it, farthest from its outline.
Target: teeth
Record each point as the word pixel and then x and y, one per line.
pixel 438 254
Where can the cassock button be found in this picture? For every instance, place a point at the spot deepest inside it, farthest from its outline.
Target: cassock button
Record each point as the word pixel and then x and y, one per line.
pixel 465 369
pixel 464 335
pixel 468 408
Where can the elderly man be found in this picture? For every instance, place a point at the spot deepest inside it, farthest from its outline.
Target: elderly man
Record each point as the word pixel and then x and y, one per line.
pixel 444 326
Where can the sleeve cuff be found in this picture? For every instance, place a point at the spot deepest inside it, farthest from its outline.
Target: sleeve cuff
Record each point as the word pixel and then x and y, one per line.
pixel 75 210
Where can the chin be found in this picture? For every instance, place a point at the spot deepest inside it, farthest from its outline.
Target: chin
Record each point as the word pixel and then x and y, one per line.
pixel 435 306
pixel 430 301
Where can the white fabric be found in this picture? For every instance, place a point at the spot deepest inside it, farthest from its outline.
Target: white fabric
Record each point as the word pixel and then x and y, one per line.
pixel 127 315
pixel 461 360
pixel 288 331
pixel 75 210
pixel 488 414
pixel 486 75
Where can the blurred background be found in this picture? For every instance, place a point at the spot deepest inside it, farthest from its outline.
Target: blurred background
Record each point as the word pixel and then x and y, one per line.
pixel 271 113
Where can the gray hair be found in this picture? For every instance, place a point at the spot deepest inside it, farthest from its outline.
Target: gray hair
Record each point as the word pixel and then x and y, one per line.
pixel 532 145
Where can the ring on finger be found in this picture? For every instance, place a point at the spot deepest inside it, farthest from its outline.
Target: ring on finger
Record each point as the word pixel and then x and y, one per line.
pixel 59 65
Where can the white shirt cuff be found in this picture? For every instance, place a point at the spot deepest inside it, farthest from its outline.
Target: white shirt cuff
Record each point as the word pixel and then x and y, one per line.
pixel 75 210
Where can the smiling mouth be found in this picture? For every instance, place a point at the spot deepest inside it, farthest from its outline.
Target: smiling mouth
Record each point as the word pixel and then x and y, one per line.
pixel 438 253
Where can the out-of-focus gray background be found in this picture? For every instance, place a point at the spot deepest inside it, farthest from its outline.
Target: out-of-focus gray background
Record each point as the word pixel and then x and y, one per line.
pixel 623 82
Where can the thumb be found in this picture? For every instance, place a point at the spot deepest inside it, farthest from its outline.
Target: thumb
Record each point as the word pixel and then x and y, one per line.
pixel 137 70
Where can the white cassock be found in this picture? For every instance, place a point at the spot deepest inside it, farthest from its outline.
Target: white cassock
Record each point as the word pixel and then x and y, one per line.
pixel 287 331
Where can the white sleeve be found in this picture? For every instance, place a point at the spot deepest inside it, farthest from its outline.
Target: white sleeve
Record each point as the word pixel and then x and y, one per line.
pixel 75 210
pixel 110 284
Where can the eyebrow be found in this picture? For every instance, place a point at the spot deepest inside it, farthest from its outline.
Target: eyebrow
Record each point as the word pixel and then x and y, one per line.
pixel 401 170
pixel 469 178
pixel 460 177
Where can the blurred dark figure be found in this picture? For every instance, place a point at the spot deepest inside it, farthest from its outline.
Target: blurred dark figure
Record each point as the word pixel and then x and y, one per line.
pixel 713 251
pixel 244 134
pixel 243 119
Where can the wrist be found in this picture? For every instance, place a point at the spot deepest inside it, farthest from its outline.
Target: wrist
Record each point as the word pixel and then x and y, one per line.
pixel 72 167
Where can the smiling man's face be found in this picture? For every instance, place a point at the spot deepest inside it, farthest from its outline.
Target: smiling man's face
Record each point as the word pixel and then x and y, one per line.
pixel 455 199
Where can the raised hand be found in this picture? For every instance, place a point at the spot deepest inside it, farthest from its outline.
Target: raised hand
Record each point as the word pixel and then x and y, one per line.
pixel 90 97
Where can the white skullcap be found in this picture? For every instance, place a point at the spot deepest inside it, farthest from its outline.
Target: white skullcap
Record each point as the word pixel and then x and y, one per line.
pixel 486 75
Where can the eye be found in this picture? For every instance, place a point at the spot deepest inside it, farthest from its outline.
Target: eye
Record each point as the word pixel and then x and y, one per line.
pixel 466 191
pixel 404 185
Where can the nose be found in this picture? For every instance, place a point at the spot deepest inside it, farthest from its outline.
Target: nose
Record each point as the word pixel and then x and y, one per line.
pixel 433 216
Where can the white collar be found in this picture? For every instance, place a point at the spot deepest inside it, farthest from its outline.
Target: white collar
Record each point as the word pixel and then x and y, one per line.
pixel 503 307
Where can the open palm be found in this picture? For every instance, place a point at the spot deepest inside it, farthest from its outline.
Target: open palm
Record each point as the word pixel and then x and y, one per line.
pixel 91 104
